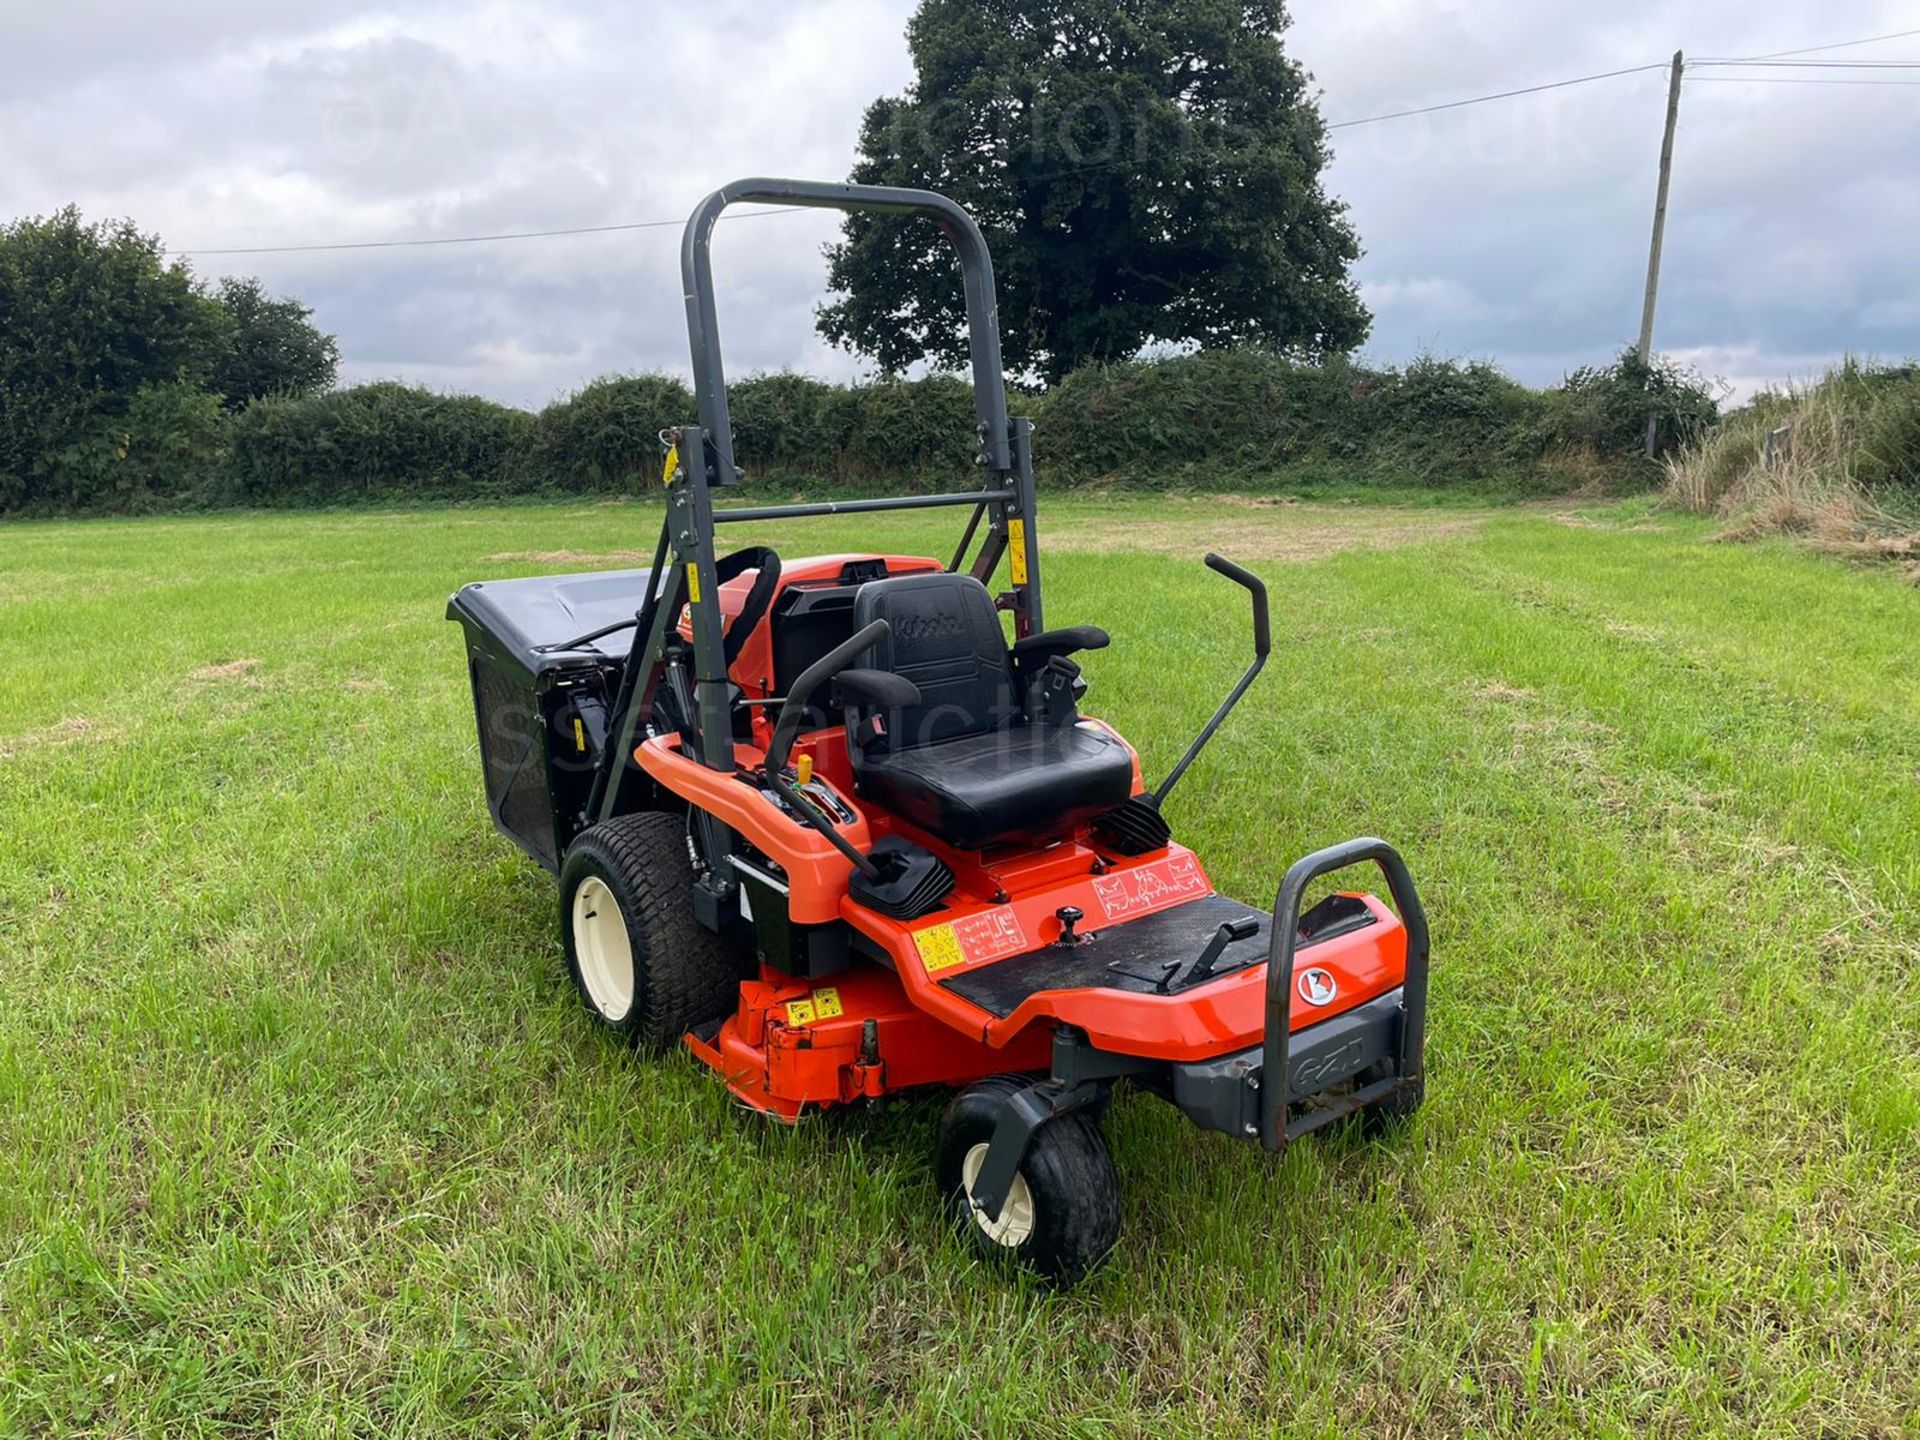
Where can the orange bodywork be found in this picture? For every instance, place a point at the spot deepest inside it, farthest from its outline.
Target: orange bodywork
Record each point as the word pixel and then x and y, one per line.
pixel 782 1050
pixel 753 670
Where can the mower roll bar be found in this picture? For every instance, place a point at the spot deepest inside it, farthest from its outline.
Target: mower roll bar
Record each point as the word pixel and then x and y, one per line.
pixel 1276 1086
pixel 976 270
pixel 976 498
pixel 1262 644
pixel 687 574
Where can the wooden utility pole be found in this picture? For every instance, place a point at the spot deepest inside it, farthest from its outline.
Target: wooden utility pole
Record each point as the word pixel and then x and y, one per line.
pixel 1660 227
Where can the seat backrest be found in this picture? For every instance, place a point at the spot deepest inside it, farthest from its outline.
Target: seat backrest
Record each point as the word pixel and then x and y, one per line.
pixel 946 639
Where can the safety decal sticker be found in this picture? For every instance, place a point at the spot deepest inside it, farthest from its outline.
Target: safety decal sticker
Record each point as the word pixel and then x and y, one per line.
pixel 991 934
pixel 971 939
pixel 939 948
pixel 820 1005
pixel 1017 550
pixel 1150 887
pixel 693 583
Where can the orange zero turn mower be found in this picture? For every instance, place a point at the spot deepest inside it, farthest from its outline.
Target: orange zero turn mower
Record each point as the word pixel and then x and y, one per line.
pixel 824 823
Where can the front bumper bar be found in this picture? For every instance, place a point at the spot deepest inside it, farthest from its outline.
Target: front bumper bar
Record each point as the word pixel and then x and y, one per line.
pixel 1277 1048
pixel 1230 1092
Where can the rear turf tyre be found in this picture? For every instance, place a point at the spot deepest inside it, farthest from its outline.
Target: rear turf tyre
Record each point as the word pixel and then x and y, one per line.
pixel 645 968
pixel 1062 1215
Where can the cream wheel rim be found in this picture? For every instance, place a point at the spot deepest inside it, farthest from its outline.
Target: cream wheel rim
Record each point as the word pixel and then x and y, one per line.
pixel 601 946
pixel 1015 1225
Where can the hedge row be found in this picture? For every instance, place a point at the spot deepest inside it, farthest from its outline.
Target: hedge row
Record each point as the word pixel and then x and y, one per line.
pixel 387 438
pixel 1205 418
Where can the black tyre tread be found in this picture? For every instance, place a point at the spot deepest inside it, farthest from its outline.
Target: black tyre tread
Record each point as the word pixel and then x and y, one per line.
pixel 684 973
pixel 1068 1168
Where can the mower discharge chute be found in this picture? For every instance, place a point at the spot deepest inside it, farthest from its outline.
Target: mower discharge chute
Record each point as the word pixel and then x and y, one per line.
pixel 821 821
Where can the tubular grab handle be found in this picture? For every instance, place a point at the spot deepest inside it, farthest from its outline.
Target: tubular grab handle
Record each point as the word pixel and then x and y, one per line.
pixel 793 715
pixel 1276 1081
pixel 794 712
pixel 976 269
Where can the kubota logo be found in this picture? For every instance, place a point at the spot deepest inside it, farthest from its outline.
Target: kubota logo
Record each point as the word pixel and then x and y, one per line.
pixel 1317 987
pixel 927 627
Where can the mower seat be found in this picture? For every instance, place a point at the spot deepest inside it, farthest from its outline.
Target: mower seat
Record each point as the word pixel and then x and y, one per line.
pixel 967 764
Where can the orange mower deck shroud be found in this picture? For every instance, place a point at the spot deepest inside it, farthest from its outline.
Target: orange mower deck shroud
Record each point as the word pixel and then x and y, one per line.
pixel 891 1020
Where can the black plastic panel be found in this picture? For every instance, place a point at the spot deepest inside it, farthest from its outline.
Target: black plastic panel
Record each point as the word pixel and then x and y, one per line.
pixel 1134 956
pixel 542 714
pixel 520 616
pixel 1128 957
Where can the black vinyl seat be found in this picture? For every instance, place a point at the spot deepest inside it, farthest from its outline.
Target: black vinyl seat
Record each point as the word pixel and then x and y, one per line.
pixel 967 763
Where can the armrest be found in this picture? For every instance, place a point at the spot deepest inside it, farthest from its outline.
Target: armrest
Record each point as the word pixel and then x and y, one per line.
pixel 1068 640
pixel 881 689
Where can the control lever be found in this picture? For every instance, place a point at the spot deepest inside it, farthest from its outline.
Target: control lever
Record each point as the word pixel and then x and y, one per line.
pixel 1177 978
pixel 793 714
pixel 1262 643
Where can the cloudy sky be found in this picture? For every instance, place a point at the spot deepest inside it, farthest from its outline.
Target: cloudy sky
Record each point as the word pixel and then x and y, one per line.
pixel 1514 230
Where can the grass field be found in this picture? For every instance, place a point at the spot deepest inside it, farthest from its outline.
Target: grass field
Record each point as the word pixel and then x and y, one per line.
pixel 302 1130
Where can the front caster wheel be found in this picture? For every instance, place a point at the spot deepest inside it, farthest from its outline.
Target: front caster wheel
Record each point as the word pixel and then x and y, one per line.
pixel 1063 1211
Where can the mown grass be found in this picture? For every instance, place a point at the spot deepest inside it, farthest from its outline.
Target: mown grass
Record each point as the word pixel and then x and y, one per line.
pixel 301 1131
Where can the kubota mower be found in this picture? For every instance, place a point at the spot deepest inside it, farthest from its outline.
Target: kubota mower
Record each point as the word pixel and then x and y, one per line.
pixel 822 821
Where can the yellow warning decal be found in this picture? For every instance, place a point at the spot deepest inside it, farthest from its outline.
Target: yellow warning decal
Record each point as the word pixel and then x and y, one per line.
pixel 823 1004
pixel 1017 550
pixel 579 736
pixel 671 467
pixel 939 948
pixel 693 583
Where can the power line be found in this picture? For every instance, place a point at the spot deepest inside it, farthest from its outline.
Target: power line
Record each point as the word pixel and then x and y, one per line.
pixel 1498 95
pixel 1812 64
pixel 463 239
pixel 1812 49
pixel 1784 80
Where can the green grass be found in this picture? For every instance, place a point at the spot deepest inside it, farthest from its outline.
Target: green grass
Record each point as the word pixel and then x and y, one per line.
pixel 302 1130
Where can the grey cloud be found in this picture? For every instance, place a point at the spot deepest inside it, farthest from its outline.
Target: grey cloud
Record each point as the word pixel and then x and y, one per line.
pixel 1515 230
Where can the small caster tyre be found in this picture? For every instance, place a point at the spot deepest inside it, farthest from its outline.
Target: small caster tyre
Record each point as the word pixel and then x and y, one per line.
pixel 645 968
pixel 1062 1214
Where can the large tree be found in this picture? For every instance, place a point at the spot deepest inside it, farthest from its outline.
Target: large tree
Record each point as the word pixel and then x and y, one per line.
pixel 91 316
pixel 276 348
pixel 1145 171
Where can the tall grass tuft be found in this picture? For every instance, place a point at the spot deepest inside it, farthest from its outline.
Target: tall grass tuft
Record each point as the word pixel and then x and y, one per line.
pixel 1836 462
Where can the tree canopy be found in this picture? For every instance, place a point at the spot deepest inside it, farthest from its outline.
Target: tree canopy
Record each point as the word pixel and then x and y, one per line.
pixel 275 347
pixel 1146 171
pixel 113 359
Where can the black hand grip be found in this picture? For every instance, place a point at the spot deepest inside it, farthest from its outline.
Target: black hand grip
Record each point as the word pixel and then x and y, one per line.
pixel 759 596
pixel 1240 575
pixel 794 712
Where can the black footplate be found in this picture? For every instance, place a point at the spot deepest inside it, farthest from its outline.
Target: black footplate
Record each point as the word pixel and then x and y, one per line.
pixel 1163 953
